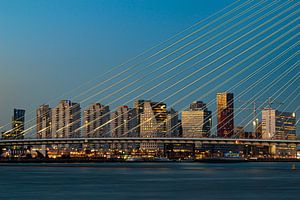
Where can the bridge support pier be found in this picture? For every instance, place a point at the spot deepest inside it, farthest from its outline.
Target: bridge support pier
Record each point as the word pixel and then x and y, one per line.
pixel 165 150
pixel 193 151
pixel 43 150
pixel 272 150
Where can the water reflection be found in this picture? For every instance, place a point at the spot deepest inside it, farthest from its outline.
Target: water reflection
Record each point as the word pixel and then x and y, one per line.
pixel 149 181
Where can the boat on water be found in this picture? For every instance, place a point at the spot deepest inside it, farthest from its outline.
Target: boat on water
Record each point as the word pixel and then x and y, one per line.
pixel 161 159
pixel 186 160
pixel 155 159
pixel 134 159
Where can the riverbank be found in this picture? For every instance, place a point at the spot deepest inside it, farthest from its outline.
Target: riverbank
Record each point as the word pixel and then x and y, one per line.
pixel 82 160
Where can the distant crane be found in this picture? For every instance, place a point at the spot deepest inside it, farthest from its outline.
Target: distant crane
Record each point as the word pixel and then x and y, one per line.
pixel 255 122
pixel 271 102
pixel 254 109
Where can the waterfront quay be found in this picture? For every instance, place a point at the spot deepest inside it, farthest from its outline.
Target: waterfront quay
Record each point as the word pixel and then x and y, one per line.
pixel 134 149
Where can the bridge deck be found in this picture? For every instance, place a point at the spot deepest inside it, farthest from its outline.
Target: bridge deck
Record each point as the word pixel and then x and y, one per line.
pixel 51 141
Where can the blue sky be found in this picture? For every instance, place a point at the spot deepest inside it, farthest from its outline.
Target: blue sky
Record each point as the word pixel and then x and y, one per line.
pixel 49 47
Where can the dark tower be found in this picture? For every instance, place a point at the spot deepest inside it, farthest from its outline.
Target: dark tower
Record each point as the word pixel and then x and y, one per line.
pixel 225 108
pixel 18 121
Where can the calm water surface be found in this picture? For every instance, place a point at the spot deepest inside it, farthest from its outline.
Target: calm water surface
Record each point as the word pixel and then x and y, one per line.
pixel 150 181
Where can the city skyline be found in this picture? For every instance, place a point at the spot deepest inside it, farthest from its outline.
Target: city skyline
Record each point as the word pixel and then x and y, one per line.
pixel 90 120
pixel 150 119
pixel 14 97
pixel 149 99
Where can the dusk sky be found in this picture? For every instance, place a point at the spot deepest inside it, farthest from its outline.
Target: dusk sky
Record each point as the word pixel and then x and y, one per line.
pixel 150 99
pixel 50 47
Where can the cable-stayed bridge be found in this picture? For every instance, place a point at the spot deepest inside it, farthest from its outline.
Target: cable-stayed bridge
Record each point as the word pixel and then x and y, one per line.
pixel 139 140
pixel 248 48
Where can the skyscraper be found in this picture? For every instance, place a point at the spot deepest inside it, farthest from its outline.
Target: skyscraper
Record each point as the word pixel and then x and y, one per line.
pixel 172 123
pixel 124 122
pixel 198 105
pixel 152 117
pixel 96 121
pixel 196 122
pixel 139 107
pixel 43 122
pixel 225 110
pixel 18 121
pixel 278 125
pixel 268 123
pixel 66 120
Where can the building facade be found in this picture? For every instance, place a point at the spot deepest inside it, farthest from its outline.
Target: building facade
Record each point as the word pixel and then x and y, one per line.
pixel 124 122
pixel 97 121
pixel 43 122
pixel 225 111
pixel 278 125
pixel 18 123
pixel 152 118
pixel 66 120
pixel 197 121
pixel 172 124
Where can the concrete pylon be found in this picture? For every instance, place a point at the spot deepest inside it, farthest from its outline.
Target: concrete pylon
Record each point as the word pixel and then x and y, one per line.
pixel 272 149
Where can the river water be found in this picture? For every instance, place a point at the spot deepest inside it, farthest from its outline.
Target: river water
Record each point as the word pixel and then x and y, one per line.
pixel 165 181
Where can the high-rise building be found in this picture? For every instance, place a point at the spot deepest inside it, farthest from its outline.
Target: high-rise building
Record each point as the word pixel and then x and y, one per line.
pixel 139 107
pixel 66 120
pixel 225 110
pixel 198 105
pixel 97 121
pixel 152 118
pixel 124 122
pixel 278 125
pixel 268 123
pixel 196 122
pixel 18 121
pixel 172 123
pixel 43 122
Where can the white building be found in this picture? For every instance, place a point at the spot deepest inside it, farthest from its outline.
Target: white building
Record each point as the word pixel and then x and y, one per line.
pixel 66 120
pixel 268 123
pixel 124 122
pixel 43 122
pixel 97 121
pixel 278 125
